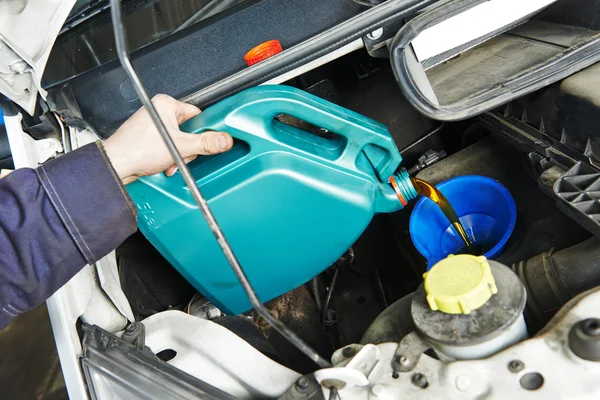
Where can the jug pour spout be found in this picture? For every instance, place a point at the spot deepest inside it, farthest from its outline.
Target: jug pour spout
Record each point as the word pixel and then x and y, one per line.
pixel 395 194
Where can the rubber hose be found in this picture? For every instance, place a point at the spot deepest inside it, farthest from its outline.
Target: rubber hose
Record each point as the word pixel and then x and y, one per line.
pixel 552 278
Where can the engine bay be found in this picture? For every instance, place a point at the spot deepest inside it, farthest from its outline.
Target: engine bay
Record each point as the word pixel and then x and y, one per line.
pixel 364 297
pixel 391 317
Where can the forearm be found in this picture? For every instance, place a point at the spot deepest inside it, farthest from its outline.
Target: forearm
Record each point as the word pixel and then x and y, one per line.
pixel 53 221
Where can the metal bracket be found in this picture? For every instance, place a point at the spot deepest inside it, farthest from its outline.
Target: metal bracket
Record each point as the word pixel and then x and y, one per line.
pixel 409 352
pixel 135 334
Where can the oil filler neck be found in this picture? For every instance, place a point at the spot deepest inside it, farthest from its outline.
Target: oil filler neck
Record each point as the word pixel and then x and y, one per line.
pixel 403 187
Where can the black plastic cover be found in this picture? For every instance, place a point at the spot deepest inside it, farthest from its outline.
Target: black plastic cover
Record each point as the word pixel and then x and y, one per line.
pixel 578 191
pixel 202 54
pixel 204 63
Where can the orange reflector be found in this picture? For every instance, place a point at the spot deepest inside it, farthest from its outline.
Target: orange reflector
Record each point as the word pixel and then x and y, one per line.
pixel 262 52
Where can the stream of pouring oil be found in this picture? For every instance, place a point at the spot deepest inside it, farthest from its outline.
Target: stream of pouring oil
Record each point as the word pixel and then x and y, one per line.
pixel 428 190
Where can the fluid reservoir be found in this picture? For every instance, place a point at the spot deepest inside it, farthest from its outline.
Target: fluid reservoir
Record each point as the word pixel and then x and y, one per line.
pixel 470 307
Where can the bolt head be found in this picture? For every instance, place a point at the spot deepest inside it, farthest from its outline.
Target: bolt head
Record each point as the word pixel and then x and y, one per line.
pixel 130 328
pixel 591 327
pixel 18 67
pixel 303 383
pixel 516 366
pixel 348 352
pixel 404 361
pixel 419 380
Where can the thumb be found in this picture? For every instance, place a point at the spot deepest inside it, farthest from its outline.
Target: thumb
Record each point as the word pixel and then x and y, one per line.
pixel 207 143
pixel 184 111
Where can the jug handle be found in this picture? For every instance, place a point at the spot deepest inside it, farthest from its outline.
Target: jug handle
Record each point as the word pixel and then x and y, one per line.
pixel 264 103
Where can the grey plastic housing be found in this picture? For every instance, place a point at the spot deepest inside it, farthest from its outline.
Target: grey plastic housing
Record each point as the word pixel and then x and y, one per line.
pixel 116 369
pixel 410 74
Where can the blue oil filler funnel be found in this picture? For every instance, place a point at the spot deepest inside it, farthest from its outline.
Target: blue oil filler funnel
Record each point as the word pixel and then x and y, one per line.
pixel 289 201
pixel 485 208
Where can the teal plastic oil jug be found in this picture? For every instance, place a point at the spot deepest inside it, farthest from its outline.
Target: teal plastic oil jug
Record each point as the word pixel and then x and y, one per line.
pixel 289 202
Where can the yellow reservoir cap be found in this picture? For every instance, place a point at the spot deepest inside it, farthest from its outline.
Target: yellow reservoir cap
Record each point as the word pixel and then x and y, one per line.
pixel 459 284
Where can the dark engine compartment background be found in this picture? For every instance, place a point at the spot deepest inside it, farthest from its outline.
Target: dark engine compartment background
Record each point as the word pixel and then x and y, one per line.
pixel 385 266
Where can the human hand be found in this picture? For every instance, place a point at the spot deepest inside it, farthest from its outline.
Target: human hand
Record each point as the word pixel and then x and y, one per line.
pixel 137 149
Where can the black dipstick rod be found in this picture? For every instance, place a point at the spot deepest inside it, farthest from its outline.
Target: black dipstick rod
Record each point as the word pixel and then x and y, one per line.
pixel 200 200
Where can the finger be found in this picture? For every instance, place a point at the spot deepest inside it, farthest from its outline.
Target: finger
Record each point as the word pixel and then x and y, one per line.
pixel 172 169
pixel 185 111
pixel 188 160
pixel 208 143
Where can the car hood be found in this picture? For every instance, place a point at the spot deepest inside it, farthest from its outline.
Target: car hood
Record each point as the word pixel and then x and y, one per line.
pixel 28 29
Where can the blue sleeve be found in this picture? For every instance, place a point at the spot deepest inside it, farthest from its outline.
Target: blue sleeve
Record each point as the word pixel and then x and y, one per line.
pixel 54 220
